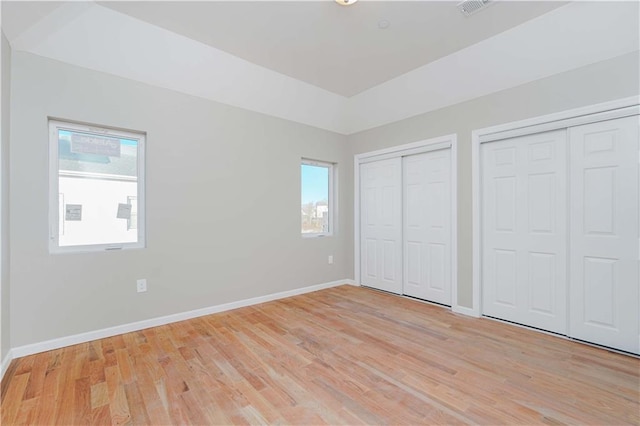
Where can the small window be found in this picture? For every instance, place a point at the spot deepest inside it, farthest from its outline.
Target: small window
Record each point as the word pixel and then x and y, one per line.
pixel 96 188
pixel 318 205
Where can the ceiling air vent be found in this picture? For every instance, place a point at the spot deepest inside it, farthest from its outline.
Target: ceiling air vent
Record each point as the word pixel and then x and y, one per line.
pixel 469 7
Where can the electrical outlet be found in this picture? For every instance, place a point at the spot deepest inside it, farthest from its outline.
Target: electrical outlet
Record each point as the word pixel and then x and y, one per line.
pixel 141 285
pixel 330 260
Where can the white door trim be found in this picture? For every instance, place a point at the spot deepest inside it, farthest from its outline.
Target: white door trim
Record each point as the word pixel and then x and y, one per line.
pixel 442 142
pixel 589 114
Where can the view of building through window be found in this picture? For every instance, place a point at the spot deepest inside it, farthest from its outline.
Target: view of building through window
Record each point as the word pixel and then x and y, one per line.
pixel 316 194
pixel 97 187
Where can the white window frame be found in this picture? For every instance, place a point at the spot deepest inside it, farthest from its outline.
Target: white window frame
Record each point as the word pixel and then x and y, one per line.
pixel 54 211
pixel 332 208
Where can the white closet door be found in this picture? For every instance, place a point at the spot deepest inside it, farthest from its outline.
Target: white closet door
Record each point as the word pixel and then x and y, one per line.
pixel 604 299
pixel 427 226
pixel 381 224
pixel 524 235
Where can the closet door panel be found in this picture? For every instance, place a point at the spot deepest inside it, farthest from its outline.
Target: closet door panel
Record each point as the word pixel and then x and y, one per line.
pixel 381 225
pixel 604 295
pixel 427 225
pixel 524 231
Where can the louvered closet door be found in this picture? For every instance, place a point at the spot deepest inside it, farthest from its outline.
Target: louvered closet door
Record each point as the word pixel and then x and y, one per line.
pixel 604 295
pixel 427 225
pixel 381 224
pixel 524 235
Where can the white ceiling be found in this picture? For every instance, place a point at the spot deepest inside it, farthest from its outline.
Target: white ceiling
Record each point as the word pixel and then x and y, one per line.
pixel 321 64
pixel 340 49
pixel 18 16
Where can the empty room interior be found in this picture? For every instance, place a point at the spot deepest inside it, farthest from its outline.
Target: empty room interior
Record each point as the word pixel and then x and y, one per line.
pixel 320 212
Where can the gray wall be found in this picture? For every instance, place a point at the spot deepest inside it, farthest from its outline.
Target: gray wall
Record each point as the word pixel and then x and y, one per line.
pixel 600 82
pixel 4 201
pixel 223 205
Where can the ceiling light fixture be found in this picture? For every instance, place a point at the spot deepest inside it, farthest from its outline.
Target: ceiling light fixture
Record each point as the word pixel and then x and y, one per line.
pixel 346 2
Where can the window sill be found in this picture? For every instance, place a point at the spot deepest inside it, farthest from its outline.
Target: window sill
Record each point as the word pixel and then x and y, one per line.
pixel 95 248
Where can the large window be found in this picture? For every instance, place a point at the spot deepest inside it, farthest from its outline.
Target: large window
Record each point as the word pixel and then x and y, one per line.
pixel 318 206
pixel 96 188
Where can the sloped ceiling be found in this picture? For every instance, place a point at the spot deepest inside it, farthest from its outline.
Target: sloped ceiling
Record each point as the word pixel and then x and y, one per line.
pixel 320 64
pixel 340 49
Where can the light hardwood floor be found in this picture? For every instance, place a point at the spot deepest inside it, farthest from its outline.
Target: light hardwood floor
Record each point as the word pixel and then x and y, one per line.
pixel 345 355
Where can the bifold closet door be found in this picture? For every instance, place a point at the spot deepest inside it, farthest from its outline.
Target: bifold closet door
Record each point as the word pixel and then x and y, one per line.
pixel 427 225
pixel 381 224
pixel 524 231
pixel 604 295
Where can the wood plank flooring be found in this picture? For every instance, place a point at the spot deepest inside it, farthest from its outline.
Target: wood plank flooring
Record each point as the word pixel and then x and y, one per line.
pixel 345 355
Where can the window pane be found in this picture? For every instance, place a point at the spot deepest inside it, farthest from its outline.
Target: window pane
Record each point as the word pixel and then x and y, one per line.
pixel 88 153
pixel 97 181
pixel 315 199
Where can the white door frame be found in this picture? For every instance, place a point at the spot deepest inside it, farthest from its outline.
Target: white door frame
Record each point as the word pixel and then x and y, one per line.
pixel 590 114
pixel 448 141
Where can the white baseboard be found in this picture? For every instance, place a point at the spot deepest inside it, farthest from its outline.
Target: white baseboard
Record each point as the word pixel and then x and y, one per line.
pixel 465 311
pixel 75 339
pixel 5 363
